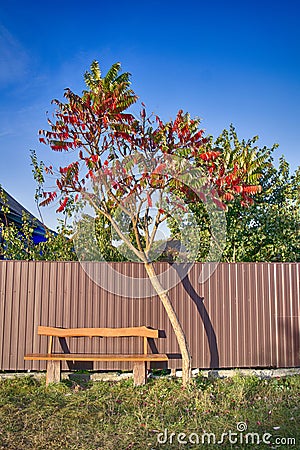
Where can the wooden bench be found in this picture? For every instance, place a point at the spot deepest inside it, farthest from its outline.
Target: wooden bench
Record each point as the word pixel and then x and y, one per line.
pixel 139 360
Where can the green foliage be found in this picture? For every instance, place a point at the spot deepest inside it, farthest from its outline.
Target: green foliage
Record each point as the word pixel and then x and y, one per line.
pixel 267 230
pixel 58 246
pixel 38 168
pixel 103 235
pixel 17 241
pixel 249 156
pixel 111 83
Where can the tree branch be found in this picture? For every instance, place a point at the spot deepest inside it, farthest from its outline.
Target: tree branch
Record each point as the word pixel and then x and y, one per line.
pixel 138 253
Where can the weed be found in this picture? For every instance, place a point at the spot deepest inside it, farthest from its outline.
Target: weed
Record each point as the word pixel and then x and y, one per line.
pixel 117 415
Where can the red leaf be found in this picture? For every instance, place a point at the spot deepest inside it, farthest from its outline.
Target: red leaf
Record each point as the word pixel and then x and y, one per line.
pixel 227 196
pixel 219 203
pixel 238 189
pixel 160 168
pixel 209 156
pixel 229 178
pixel 48 170
pixel 94 158
pixel 183 208
pixel 202 196
pixel 50 197
pixel 159 121
pixel 73 119
pixel 62 205
pixel 106 171
pixel 252 189
pixel 149 200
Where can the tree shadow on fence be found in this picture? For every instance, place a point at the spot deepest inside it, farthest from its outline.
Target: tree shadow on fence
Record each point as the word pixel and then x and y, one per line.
pixel 289 342
pixel 208 327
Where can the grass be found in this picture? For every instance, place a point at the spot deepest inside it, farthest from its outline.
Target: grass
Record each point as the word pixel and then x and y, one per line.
pixel 117 415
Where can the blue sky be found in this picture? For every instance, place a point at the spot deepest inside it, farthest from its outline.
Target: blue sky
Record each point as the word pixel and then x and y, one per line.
pixel 226 62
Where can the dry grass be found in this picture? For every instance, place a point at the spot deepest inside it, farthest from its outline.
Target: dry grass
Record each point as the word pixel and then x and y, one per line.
pixel 117 415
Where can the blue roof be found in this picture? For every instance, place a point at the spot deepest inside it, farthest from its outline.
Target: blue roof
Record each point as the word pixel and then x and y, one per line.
pixel 16 210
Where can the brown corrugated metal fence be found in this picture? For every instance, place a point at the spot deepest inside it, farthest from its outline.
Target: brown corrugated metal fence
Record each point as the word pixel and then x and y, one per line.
pixel 244 315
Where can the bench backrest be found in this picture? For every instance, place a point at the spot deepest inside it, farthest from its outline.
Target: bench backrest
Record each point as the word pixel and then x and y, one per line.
pixel 143 332
pixel 102 332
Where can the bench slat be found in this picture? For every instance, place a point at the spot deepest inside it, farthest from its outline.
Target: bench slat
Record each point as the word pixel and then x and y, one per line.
pixel 102 332
pixel 94 357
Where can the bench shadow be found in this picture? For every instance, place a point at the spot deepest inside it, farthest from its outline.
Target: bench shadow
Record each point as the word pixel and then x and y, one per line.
pixel 74 365
pixel 79 381
pixel 89 365
pixel 154 349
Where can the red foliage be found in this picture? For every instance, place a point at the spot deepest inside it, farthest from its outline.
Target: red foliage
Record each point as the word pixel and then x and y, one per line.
pixel 210 156
pixel 252 189
pixel 50 196
pixel 160 168
pixel 104 136
pixel 219 204
pixel 149 200
pixel 95 158
pixel 63 205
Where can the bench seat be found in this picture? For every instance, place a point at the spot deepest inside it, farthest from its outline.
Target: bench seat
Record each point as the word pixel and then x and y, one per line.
pixel 95 357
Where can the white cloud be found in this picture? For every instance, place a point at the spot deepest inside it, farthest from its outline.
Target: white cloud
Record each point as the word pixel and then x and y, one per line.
pixel 5 133
pixel 13 58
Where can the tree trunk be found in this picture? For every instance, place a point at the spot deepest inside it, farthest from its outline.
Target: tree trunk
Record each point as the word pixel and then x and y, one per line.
pixel 179 333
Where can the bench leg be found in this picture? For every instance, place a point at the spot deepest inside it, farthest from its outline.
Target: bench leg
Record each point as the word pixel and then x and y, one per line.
pixel 53 372
pixel 139 373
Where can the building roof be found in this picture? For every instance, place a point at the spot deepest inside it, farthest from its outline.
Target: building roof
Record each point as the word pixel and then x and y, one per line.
pixel 15 213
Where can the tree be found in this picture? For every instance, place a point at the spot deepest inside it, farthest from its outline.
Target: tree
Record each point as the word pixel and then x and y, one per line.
pixel 137 172
pixel 269 229
pixel 255 163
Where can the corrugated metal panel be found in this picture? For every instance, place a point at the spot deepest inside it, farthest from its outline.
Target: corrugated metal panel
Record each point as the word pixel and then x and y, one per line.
pixel 244 315
pixel 2 307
